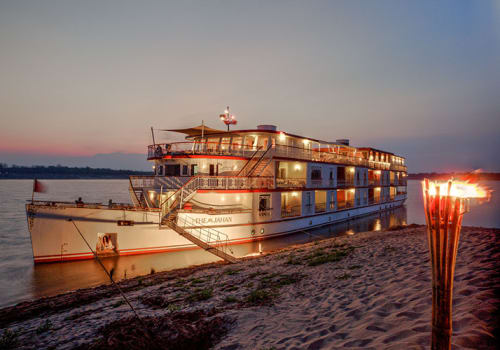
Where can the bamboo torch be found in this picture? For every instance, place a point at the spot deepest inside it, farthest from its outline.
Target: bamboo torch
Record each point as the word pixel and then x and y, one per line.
pixel 444 204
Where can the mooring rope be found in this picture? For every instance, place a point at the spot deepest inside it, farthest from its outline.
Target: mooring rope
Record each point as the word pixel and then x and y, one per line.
pixel 110 277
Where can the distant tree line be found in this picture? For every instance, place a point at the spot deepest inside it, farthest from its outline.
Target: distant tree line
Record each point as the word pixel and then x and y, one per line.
pixel 459 176
pixel 64 172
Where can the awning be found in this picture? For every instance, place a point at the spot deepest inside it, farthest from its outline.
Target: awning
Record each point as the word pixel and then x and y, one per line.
pixel 197 131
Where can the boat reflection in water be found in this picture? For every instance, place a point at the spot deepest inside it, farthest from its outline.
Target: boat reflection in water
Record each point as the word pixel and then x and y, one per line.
pixel 51 279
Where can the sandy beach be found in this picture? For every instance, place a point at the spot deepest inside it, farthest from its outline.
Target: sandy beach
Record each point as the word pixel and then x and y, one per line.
pixel 371 290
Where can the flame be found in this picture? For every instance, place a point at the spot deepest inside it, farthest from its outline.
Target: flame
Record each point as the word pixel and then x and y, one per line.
pixel 461 189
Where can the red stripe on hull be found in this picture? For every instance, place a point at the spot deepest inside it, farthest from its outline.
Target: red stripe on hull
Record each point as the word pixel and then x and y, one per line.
pixel 88 256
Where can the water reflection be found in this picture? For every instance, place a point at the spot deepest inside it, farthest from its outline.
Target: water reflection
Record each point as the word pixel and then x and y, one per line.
pixel 51 279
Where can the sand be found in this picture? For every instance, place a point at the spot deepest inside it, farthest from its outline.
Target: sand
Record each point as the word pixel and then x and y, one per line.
pixel 371 290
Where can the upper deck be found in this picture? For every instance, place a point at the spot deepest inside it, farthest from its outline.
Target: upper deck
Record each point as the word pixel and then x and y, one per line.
pixel 245 143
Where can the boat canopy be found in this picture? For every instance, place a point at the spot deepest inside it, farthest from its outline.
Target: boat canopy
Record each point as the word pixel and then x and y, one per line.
pixel 197 131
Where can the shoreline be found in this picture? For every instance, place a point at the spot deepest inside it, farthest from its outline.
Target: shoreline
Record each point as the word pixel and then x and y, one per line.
pixel 369 290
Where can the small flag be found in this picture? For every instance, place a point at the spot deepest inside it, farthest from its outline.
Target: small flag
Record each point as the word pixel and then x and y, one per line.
pixel 39 187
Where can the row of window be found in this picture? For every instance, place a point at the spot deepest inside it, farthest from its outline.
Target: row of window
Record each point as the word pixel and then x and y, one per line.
pixel 184 170
pixel 291 202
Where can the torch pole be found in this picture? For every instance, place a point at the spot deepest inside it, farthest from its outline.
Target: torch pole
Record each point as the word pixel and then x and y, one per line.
pixel 444 215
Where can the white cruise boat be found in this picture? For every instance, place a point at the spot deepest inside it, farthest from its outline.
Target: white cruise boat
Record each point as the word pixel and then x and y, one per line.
pixel 220 188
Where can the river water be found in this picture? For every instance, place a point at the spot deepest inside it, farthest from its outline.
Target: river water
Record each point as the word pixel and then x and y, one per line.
pixel 21 280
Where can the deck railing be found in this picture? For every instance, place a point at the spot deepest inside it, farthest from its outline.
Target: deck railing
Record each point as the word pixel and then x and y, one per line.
pixel 152 181
pixel 319 207
pixel 62 204
pixel 216 148
pixel 211 148
pixel 300 182
pixel 345 183
pixel 204 182
pixel 290 211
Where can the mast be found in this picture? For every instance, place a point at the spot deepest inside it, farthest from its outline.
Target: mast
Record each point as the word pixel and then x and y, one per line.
pixel 153 134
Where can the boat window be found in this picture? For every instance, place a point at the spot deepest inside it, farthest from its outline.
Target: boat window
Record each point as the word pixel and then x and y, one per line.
pixel 200 145
pixel 194 169
pixel 291 174
pixel 264 202
pixel 212 144
pixel 350 195
pixel 160 170
pixel 316 173
pixel 319 201
pixel 249 142
pixel 332 200
pixel 291 204
pixel 308 203
pixel 341 199
pixel 184 170
pixel 263 142
pixel 236 144
pixel 224 145
pixel 172 169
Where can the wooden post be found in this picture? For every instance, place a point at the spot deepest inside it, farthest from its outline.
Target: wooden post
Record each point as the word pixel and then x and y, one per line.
pixel 443 215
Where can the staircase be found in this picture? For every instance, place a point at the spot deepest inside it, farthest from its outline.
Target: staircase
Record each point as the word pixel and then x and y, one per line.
pixel 139 184
pixel 135 195
pixel 261 163
pixel 211 240
pixel 250 163
pixel 257 163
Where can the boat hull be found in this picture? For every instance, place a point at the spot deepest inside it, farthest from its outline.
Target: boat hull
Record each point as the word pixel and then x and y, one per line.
pixel 65 233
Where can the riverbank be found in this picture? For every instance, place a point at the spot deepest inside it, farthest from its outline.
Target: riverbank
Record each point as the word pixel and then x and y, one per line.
pixel 370 290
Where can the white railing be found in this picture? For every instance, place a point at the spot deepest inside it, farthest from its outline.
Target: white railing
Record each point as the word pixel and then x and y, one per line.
pixel 216 148
pixel 206 234
pixel 152 181
pixel 211 148
pixel 61 204
pixel 298 182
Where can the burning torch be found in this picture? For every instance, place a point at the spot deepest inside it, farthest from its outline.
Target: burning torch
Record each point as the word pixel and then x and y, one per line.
pixel 228 118
pixel 444 204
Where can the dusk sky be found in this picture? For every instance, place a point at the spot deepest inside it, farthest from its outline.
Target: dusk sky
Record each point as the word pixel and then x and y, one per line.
pixel 417 78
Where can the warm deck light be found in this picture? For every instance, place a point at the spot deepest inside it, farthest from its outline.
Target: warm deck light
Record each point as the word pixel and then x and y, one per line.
pixel 152 195
pixel 282 136
pixel 294 194
pixel 444 204
pixel 227 118
pixel 297 167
